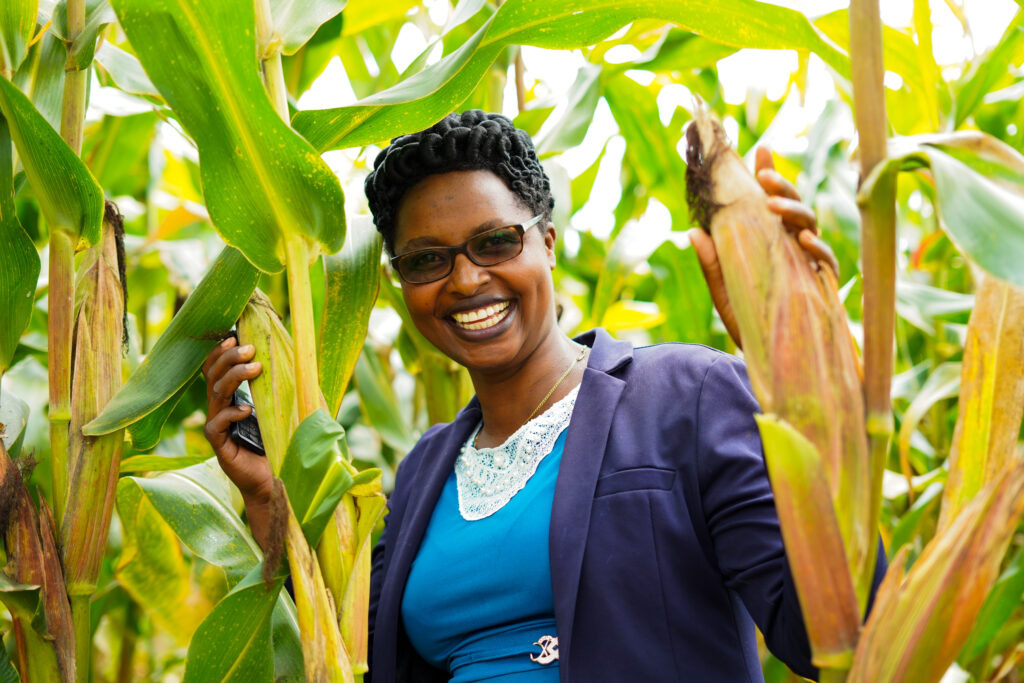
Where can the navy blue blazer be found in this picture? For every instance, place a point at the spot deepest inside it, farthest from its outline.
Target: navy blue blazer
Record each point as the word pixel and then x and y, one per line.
pixel 664 540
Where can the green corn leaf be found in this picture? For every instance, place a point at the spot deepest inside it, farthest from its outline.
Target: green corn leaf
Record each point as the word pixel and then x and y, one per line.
pixel 295 21
pixel 204 319
pixel 683 295
pixel 14 417
pixel 41 77
pixel 572 127
pixel 998 609
pixel 17 22
pixel 20 599
pixel 160 463
pixel 234 642
pixel 942 383
pixel 8 674
pixel 152 567
pixel 125 70
pixel 991 394
pixel 361 15
pixel 70 198
pixel 351 281
pixel 314 473
pixel 261 181
pixel 908 524
pixel 428 95
pixel 97 15
pixel 987 70
pixel 982 214
pixel 145 433
pixel 20 271
pixel 815 550
pixel 193 505
pixel 379 403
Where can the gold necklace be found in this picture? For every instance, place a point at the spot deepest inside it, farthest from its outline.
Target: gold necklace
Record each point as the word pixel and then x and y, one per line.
pixel 577 359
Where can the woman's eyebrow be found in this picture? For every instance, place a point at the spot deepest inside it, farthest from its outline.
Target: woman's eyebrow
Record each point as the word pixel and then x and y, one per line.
pixel 432 241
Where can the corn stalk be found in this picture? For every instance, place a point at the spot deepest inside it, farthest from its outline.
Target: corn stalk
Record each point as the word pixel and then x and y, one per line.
pixel 878 239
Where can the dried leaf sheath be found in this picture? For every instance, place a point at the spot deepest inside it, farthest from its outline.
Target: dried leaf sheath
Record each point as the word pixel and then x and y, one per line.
pixel 801 360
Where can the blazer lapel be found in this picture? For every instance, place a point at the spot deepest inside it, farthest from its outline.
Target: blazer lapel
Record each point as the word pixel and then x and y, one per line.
pixel 577 476
pixel 430 478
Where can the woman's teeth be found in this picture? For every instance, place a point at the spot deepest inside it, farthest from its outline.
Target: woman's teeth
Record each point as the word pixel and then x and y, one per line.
pixel 482 318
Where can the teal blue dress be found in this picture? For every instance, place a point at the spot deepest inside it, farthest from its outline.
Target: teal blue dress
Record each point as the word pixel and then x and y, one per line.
pixel 478 600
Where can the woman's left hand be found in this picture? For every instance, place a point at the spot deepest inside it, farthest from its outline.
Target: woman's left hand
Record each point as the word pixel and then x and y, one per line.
pixel 798 219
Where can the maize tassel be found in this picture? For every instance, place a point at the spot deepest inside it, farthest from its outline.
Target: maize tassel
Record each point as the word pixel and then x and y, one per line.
pixel 804 370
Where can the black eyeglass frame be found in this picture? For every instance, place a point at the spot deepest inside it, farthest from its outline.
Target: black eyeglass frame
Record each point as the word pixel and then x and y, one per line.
pixel 454 251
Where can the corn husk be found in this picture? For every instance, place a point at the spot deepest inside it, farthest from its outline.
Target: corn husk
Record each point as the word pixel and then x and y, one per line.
pixel 921 619
pixel 317 590
pixel 93 461
pixel 804 369
pixel 46 647
pixel 273 392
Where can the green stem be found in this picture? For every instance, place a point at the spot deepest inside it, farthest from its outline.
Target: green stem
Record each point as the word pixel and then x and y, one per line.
pixel 878 251
pixel 270 56
pixel 300 302
pixel 832 675
pixel 80 619
pixel 76 81
pixel 60 320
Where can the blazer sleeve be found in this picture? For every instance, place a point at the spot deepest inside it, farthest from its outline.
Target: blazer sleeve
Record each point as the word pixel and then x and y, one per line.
pixel 739 511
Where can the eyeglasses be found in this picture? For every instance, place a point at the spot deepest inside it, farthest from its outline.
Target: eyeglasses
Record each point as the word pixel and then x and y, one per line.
pixel 490 248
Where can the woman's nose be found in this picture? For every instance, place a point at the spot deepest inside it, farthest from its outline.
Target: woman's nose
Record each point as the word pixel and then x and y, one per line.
pixel 467 277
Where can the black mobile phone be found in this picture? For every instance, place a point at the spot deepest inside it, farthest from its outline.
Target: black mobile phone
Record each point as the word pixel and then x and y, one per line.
pixel 246 432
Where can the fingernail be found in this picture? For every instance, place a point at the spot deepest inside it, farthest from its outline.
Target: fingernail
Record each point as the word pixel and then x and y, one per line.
pixel 252 366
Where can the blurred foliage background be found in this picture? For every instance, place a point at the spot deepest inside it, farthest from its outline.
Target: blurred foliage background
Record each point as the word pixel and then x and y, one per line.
pixel 608 121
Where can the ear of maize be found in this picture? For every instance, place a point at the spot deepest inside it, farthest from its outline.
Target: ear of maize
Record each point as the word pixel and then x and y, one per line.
pixel 273 392
pixel 94 461
pixel 800 355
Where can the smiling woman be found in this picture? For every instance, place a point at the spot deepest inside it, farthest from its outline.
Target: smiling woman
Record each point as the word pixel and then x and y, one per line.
pixel 596 512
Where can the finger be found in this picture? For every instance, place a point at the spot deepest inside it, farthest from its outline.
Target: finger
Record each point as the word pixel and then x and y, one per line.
pixel 763 159
pixel 707 257
pixel 817 248
pixel 796 216
pixel 224 389
pixel 227 360
pixel 216 353
pixel 216 430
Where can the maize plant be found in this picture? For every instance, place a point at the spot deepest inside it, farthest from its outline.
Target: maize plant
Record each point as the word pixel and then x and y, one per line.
pixel 199 127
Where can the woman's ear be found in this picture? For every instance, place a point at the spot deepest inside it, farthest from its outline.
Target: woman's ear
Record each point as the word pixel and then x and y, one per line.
pixel 550 238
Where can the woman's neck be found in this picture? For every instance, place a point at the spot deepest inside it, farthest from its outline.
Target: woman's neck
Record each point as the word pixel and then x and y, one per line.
pixel 508 400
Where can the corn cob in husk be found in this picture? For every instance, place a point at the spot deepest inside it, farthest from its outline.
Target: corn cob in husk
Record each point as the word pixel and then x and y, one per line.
pixel 334 637
pixel 94 461
pixel 805 372
pixel 32 560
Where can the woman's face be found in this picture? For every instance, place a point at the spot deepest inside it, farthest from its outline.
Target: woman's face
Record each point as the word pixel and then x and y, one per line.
pixel 489 318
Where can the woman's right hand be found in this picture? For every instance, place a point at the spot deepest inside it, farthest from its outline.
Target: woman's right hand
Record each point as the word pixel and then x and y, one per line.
pixel 227 366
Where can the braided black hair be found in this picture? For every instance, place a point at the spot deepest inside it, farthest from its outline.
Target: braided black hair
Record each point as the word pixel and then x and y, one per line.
pixel 472 140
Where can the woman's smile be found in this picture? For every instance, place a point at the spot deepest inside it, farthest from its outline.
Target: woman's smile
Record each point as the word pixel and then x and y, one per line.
pixel 482 318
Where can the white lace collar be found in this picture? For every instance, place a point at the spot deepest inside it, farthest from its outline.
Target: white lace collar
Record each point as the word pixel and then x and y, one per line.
pixel 488 478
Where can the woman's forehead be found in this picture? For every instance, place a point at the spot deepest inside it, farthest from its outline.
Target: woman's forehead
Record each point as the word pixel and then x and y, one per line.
pixel 447 205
